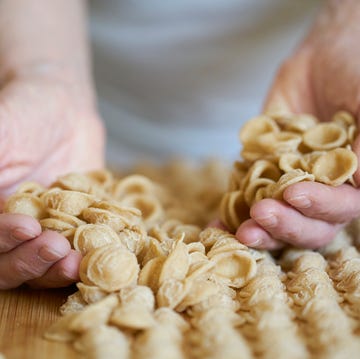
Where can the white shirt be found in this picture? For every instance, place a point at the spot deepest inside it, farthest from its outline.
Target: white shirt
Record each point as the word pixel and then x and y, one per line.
pixel 180 77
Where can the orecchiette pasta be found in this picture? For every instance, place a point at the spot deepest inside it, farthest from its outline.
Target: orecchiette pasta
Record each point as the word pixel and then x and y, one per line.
pixel 280 149
pixel 157 282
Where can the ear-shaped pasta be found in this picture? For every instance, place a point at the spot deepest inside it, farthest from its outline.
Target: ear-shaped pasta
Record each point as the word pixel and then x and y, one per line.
pixel 150 207
pixel 129 215
pixel 65 217
pixel 233 209
pixel 110 267
pixel 290 161
pixel 176 264
pixel 261 169
pixel 276 190
pixel 134 184
pixel 90 293
pixel 103 178
pixel 296 122
pixel 25 203
pixel 325 136
pixel 237 176
pixel 70 202
pixel 91 236
pixel 308 159
pixel 253 188
pixel 344 119
pixel 255 127
pixel 150 273
pixel 279 142
pixel 73 182
pixel 235 267
pixel 171 293
pixel 30 187
pixel 54 224
pixel 335 167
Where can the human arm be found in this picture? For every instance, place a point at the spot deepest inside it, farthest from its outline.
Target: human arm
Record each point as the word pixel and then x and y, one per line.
pixel 48 126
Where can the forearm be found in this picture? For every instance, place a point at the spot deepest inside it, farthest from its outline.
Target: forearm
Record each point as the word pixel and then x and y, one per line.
pixel 45 36
pixel 336 16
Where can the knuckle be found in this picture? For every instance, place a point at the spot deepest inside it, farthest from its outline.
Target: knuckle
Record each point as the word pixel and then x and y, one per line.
pixel 24 270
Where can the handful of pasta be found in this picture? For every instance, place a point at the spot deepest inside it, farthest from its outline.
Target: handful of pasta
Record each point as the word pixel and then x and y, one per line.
pixel 280 150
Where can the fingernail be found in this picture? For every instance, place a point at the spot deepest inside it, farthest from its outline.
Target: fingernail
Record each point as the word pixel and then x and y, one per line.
pixel 23 234
pixel 50 254
pixel 257 242
pixel 268 221
pixel 300 201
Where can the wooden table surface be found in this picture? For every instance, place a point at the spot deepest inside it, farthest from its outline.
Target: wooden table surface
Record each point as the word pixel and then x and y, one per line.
pixel 24 316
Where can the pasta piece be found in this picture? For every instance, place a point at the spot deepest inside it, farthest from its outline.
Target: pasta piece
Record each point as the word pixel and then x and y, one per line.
pixel 207 341
pixel 235 267
pixel 150 273
pixel 325 136
pixel 55 224
pixel 276 190
pixel 296 122
pixel 25 203
pixel 30 187
pixel 91 294
pixel 65 217
pixel 233 209
pixel 252 194
pixel 94 315
pixel 110 267
pixel 90 236
pixel 74 303
pixel 103 342
pixel 255 127
pixel 133 184
pixel 335 167
pixel 278 143
pixel 291 161
pixel 176 264
pixel 70 202
pixel 59 331
pixel 150 207
pixel 171 292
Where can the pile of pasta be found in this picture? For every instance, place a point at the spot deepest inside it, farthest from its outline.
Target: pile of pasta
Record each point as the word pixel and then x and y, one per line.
pixel 157 283
pixel 283 149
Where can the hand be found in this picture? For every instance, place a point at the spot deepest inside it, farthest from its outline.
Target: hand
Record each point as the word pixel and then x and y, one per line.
pixel 321 78
pixel 29 256
pixel 48 127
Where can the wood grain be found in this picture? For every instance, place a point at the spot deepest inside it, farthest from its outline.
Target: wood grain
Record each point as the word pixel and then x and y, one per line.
pixel 24 316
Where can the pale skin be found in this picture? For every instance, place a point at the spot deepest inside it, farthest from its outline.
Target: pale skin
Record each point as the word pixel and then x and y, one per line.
pixel 48 118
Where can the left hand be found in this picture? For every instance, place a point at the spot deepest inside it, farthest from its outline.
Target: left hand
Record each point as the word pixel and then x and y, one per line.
pixel 321 77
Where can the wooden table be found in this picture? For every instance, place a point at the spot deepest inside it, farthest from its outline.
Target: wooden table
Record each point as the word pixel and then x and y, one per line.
pixel 24 315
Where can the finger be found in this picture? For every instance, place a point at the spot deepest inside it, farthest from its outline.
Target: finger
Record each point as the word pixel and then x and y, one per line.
pixel 331 204
pixel 32 259
pixel 287 224
pixel 15 229
pixel 252 235
pixel 61 274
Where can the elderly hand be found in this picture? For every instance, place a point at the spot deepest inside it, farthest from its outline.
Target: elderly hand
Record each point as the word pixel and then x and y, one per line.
pixel 322 77
pixel 46 129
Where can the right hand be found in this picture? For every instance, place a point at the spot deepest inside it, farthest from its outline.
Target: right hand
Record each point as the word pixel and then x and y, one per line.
pixel 48 127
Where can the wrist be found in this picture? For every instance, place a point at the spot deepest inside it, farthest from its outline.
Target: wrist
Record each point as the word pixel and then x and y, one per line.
pixel 77 82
